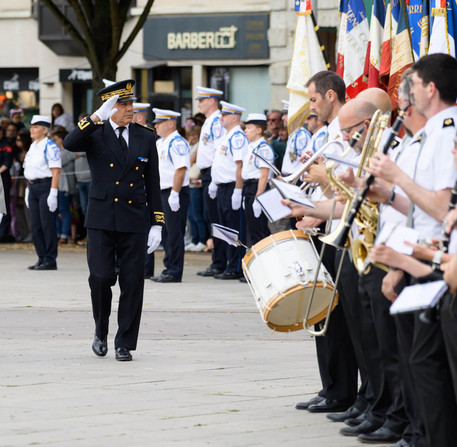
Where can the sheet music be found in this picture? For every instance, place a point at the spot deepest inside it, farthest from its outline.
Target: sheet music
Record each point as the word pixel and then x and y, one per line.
pixel 342 161
pixel 394 236
pixel 292 192
pixel 227 234
pixel 419 296
pixel 270 201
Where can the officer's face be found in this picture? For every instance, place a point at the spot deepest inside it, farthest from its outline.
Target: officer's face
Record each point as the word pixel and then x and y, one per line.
pixel 319 104
pixel 228 120
pixel 253 132
pixel 419 93
pixel 124 114
pixel 140 118
pixel 37 133
pixel 165 128
pixel 204 105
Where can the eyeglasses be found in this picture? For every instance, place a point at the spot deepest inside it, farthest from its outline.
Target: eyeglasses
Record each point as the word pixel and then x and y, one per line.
pixel 347 130
pixel 273 119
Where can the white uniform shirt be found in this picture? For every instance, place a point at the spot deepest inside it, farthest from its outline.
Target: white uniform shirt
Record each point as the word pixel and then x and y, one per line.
pixel 125 132
pixel 174 153
pixel 232 147
pixel 317 140
pixel 212 131
pixel 40 158
pixel 435 168
pixel 252 164
pixel 297 144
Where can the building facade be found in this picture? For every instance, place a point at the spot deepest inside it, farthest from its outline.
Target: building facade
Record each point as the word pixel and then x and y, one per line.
pixel 243 48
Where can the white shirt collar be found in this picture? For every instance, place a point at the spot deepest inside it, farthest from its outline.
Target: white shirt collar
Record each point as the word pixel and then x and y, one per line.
pixel 436 120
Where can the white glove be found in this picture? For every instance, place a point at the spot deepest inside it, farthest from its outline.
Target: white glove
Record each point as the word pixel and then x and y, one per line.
pixel 52 199
pixel 1 217
pixel 106 109
pixel 236 199
pixel 212 190
pixel 256 208
pixel 154 238
pixel 26 198
pixel 173 200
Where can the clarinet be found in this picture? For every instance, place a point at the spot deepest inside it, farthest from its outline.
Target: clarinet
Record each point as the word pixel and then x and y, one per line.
pixel 360 196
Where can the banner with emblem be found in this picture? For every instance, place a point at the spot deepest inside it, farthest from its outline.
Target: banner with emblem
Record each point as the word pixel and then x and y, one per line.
pixel 307 59
pixel 442 33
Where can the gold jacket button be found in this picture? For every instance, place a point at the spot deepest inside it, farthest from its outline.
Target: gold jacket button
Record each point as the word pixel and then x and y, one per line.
pixel 130 202
pixel 136 169
pixel 131 185
pixel 117 183
pixel 116 199
pixel 111 165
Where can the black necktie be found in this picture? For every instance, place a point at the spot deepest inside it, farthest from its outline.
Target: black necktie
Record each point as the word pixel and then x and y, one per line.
pixel 122 142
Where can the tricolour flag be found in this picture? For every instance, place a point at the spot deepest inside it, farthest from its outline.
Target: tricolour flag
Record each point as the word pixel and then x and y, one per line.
pixel 415 20
pixel 425 29
pixel 355 48
pixel 374 51
pixel 307 59
pixel 442 28
pixel 342 37
pixel 402 53
pixel 386 54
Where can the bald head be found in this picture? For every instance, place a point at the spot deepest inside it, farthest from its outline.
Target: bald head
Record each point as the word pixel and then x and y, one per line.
pixel 378 97
pixel 355 111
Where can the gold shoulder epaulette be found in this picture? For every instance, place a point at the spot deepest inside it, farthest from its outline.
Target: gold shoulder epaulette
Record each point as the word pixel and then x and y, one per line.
pixel 160 217
pixel 395 143
pixel 448 122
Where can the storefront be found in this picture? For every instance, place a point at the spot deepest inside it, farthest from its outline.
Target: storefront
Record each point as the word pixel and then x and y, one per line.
pixel 229 52
pixel 80 83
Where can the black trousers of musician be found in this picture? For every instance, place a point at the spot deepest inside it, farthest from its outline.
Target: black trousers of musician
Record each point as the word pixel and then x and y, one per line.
pixel 232 219
pixel 449 329
pixel 257 227
pixel 335 355
pixel 43 221
pixel 173 232
pixel 433 383
pixel 103 247
pixel 218 256
pixel 386 378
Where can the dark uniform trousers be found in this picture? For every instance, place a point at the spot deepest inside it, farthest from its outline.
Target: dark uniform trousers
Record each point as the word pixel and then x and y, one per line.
pixel 449 329
pixel 232 219
pixel 173 232
pixel 384 371
pixel 43 221
pixel 257 227
pixel 219 260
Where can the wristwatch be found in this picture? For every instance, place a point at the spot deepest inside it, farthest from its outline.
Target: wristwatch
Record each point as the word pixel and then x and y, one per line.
pixel 436 262
pixel 391 198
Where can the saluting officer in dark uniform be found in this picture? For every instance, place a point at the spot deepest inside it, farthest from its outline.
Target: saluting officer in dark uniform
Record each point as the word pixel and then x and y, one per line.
pixel 124 204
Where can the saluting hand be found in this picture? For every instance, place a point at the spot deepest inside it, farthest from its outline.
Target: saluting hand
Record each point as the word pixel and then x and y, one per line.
pixel 106 110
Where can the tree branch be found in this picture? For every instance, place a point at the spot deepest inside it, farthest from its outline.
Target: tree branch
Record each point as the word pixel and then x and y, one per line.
pixel 139 25
pixel 88 7
pixel 117 27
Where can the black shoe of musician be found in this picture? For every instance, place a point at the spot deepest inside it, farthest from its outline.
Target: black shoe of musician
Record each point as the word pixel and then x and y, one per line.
pixel 228 275
pixel 123 355
pixel 34 266
pixel 165 277
pixel 381 435
pixel 328 406
pixel 313 401
pixel 353 422
pixel 363 428
pixel 350 413
pixel 209 272
pixel 100 347
pixel 46 266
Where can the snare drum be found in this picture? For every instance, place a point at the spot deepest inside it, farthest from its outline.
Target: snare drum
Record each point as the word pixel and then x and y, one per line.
pixel 280 271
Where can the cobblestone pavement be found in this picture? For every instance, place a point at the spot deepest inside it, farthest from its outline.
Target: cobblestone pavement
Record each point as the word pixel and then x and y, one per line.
pixel 207 371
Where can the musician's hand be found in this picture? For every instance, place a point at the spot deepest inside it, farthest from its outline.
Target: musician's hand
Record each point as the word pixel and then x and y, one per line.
pixel 379 191
pixel 350 179
pixel 308 223
pixel 450 273
pixel 383 167
pixel 451 220
pixel 316 173
pixel 390 282
pixel 306 156
pixel 386 255
pixel 338 196
pixel 296 209
pixel 424 252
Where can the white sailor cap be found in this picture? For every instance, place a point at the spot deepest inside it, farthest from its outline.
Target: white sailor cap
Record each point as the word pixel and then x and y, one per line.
pixel 285 106
pixel 164 115
pixel 203 92
pixel 108 83
pixel 41 120
pixel 141 106
pixel 256 118
pixel 228 109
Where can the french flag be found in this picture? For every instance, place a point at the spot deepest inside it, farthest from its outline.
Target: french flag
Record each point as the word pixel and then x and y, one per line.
pixel 342 37
pixel 355 48
pixel 415 28
pixel 444 21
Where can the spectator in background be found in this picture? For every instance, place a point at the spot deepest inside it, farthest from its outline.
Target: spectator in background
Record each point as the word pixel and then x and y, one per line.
pixel 11 134
pixel 83 179
pixel 279 144
pixel 4 122
pixel 274 121
pixel 66 186
pixel 6 161
pixel 16 118
pixel 59 118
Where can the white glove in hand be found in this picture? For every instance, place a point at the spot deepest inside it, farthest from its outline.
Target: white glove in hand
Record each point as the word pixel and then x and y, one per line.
pixel 52 199
pixel 256 208
pixel 26 198
pixel 173 200
pixel 1 217
pixel 236 199
pixel 212 190
pixel 154 238
pixel 106 110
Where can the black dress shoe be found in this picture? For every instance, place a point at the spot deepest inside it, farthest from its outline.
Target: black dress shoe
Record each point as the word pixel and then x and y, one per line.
pixel 123 355
pixel 228 275
pixel 305 405
pixel 352 412
pixel 381 435
pixel 46 266
pixel 164 277
pixel 328 406
pixel 353 422
pixel 34 266
pixel 209 272
pixel 363 428
pixel 100 347
pixel 402 443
